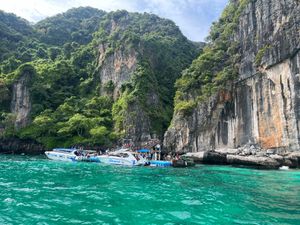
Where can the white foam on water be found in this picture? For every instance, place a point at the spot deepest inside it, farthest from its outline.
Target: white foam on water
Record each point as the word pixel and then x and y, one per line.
pixel 284 168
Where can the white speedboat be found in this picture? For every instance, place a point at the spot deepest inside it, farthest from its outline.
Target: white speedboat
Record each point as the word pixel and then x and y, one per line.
pixel 62 154
pixel 72 155
pixel 122 157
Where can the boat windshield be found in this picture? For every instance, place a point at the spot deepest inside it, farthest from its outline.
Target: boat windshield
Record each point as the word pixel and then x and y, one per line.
pixel 124 155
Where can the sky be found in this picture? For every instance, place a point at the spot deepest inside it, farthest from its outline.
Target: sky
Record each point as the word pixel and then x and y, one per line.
pixel 193 17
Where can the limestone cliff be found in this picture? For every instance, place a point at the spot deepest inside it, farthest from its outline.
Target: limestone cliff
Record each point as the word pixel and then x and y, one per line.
pixel 21 104
pixel 140 58
pixel 262 105
pixel 116 69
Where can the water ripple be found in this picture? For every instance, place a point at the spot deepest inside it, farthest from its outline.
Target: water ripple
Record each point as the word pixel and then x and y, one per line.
pixel 39 191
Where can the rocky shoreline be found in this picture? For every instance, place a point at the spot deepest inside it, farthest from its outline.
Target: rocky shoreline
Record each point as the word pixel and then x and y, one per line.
pixel 17 146
pixel 249 156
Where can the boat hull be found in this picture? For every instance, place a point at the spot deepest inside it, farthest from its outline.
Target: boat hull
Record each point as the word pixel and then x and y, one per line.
pixel 87 159
pixel 58 156
pixel 111 160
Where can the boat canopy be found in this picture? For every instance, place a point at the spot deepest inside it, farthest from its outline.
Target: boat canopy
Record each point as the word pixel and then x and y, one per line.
pixel 144 150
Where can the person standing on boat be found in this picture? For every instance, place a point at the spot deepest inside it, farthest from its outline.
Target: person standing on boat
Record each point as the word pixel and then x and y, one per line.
pixel 158 151
pixel 155 155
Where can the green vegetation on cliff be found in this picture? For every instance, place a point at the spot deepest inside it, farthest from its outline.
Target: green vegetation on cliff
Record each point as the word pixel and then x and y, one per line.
pixel 75 121
pixel 216 68
pixel 163 52
pixel 14 33
pixel 75 25
pixel 67 104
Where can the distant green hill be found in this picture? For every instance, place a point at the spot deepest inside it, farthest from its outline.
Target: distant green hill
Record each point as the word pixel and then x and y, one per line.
pixel 77 24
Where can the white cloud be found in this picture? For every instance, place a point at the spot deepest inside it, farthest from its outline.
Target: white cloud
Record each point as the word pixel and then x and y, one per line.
pixel 192 16
pixel 32 10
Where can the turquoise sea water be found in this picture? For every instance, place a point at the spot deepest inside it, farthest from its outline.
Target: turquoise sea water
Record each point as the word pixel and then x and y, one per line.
pixel 34 190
